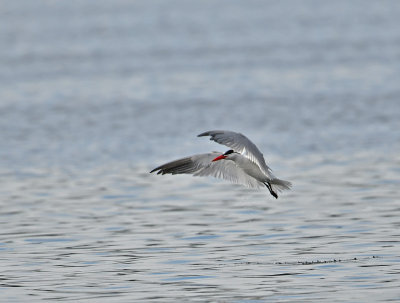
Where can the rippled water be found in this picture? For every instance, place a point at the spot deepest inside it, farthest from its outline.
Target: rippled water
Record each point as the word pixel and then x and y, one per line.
pixel 94 95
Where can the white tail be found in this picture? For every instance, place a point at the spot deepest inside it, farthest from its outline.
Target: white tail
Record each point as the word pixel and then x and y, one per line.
pixel 279 185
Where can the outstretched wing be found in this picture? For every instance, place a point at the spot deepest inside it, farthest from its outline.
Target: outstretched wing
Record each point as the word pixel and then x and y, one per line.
pixel 241 144
pixel 202 165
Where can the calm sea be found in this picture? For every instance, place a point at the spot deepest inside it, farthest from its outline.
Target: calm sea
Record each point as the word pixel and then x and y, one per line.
pixel 94 94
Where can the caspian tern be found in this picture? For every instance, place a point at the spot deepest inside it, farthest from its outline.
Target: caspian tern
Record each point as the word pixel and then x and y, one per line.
pixel 243 164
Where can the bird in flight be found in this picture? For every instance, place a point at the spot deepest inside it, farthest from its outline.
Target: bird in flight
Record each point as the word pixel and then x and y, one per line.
pixel 242 164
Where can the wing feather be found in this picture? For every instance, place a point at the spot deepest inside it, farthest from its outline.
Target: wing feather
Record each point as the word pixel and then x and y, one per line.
pixel 229 171
pixel 241 144
pixel 202 165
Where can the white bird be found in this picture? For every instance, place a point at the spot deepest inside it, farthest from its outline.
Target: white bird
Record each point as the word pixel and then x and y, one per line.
pixel 243 164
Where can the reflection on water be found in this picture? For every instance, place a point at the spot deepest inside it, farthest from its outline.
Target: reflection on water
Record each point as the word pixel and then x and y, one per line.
pixel 93 96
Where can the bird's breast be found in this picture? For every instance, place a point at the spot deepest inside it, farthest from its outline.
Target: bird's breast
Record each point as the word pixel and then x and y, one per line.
pixel 252 169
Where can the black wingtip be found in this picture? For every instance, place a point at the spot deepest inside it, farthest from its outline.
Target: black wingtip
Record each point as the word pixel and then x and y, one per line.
pixel 159 172
pixel 207 133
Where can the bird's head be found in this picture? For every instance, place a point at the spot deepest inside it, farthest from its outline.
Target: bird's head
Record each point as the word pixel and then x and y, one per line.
pixel 227 155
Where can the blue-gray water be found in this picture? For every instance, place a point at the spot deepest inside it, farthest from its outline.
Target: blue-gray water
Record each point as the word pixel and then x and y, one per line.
pixel 94 94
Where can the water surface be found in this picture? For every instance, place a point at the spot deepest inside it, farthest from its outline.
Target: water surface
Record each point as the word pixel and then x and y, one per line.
pixel 95 95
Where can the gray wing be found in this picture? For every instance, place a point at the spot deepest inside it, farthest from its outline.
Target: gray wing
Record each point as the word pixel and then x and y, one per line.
pixel 241 144
pixel 202 165
pixel 188 165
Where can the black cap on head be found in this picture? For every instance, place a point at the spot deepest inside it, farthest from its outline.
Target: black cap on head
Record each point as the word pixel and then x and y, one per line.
pixel 229 152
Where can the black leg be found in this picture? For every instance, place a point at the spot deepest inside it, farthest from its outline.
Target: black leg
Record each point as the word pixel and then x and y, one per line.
pixel 268 185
